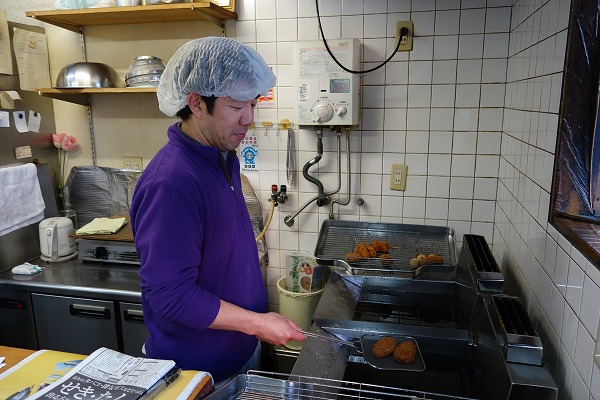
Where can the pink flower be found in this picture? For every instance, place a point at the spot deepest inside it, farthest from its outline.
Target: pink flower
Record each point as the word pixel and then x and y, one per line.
pixel 63 143
pixel 56 140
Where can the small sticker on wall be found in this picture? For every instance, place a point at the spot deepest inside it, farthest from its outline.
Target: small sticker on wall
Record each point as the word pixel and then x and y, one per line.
pixel 267 101
pixel 249 152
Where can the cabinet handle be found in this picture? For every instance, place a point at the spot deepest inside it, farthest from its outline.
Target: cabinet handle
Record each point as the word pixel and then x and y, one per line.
pixel 86 311
pixel 135 316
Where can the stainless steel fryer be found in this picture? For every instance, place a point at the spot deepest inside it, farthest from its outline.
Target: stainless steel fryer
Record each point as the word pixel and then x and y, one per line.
pixel 452 318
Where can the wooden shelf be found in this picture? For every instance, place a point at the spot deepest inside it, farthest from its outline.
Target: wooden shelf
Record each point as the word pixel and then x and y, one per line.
pixel 74 20
pixel 80 96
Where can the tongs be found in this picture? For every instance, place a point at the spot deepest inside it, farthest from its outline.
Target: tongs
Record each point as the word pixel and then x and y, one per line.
pixel 334 340
pixel 290 162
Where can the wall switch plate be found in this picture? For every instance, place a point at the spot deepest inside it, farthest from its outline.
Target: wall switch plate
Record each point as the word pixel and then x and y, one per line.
pixel 134 163
pixel 406 42
pixel 398 176
pixel 22 152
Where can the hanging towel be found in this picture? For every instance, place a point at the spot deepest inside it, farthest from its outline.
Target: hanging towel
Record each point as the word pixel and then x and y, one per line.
pixel 21 201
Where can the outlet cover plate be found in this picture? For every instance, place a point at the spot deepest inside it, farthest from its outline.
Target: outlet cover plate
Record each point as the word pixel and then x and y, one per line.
pixel 398 176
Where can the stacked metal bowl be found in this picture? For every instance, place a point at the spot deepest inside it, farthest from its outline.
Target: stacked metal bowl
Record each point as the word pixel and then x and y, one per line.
pixel 144 71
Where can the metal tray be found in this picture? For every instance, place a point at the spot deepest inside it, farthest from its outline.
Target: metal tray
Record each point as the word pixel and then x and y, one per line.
pixel 338 238
pixel 270 385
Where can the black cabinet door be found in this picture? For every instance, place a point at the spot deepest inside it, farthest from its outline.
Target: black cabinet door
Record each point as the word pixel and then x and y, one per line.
pixel 134 330
pixel 74 324
pixel 17 328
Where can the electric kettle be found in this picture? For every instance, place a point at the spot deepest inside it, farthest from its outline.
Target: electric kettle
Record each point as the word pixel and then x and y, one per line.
pixel 55 243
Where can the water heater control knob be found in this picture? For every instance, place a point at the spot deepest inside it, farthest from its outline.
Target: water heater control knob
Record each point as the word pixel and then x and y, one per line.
pixel 323 112
pixel 341 111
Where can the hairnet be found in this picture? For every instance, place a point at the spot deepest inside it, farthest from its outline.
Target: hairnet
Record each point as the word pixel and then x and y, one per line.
pixel 213 66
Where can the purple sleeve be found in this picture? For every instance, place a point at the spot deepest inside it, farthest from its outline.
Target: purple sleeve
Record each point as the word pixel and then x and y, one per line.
pixel 168 238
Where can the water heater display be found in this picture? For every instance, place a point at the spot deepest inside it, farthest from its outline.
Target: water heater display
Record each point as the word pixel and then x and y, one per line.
pixel 326 93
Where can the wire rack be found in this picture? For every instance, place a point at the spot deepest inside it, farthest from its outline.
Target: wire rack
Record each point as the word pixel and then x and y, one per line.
pixel 337 239
pixel 271 385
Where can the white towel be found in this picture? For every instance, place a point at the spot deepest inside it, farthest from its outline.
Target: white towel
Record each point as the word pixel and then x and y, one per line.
pixel 102 226
pixel 27 269
pixel 21 201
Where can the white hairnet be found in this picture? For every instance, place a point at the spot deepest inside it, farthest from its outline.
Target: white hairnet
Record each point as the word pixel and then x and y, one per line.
pixel 213 66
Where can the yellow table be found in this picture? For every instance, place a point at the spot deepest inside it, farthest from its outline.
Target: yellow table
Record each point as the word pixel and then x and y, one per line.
pixel 15 355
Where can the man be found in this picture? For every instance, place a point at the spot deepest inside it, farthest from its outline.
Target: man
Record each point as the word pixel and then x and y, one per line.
pixel 203 297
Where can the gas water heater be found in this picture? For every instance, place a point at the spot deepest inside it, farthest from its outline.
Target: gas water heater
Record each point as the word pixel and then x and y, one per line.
pixel 326 94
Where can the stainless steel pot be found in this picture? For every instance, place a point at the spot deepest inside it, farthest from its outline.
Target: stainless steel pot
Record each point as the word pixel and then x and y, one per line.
pixel 87 75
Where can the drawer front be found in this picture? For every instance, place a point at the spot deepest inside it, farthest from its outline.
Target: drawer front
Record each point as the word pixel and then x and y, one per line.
pixel 74 324
pixel 17 328
pixel 134 329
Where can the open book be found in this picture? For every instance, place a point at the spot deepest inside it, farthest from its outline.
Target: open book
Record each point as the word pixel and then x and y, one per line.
pixel 111 375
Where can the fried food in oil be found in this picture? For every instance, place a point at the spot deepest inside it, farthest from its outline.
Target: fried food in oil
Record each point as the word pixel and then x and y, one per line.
pixel 384 347
pixel 405 352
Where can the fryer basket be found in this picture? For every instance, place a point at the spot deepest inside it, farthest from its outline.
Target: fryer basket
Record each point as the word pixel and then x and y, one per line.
pixel 339 238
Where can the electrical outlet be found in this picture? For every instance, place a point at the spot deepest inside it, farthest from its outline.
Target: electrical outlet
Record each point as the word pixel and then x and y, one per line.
pixel 134 163
pixel 404 33
pixel 398 176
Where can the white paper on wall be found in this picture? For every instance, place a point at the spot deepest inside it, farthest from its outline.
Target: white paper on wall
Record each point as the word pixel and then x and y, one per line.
pixel 6 61
pixel 4 119
pixel 20 121
pixel 31 52
pixel 7 99
pixel 35 120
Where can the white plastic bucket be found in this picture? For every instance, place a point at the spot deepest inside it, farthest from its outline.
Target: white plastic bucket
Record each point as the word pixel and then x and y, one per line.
pixel 299 307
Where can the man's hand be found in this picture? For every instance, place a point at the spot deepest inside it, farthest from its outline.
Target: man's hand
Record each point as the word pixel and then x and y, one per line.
pixel 270 327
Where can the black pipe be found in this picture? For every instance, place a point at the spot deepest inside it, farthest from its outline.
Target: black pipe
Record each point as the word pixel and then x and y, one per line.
pixel 321 199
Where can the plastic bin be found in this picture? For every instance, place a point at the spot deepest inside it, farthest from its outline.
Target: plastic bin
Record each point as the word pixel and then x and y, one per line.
pixel 299 307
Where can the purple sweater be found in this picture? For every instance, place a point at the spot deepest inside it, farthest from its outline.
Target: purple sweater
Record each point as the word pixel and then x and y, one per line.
pixel 196 244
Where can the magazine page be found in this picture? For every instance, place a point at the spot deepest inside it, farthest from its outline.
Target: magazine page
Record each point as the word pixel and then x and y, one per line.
pixel 36 372
pixel 111 375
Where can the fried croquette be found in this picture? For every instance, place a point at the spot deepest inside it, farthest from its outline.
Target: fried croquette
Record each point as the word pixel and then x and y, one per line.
pixel 405 352
pixel 353 257
pixel 372 250
pixel 422 259
pixel 384 347
pixel 361 250
pixel 380 246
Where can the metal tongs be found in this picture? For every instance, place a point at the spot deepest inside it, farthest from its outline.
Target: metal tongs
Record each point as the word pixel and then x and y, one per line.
pixel 364 345
pixel 290 162
pixel 334 340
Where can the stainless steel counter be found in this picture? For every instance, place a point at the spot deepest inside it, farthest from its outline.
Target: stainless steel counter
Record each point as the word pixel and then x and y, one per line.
pixel 75 277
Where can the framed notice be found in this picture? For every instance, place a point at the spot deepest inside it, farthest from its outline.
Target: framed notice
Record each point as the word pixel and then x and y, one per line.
pixel 226 4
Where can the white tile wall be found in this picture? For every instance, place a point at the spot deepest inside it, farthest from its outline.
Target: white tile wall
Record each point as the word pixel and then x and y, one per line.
pixel 472 111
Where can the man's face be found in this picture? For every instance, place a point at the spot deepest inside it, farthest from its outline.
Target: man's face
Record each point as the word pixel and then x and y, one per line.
pixel 229 122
